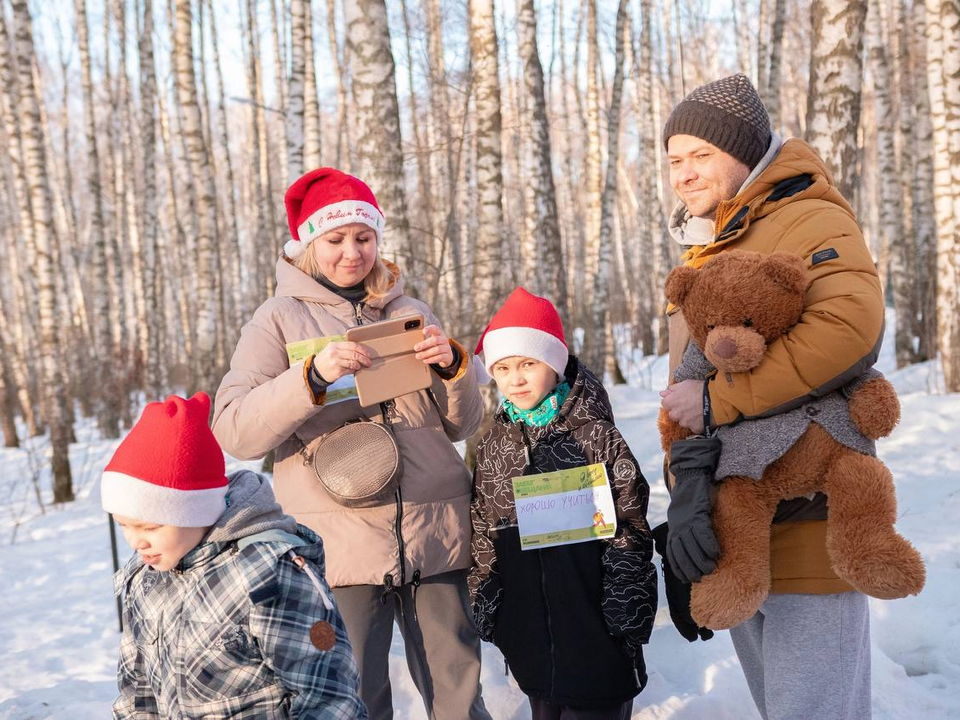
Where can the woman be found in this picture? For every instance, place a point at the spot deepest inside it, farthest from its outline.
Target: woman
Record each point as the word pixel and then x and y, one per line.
pixel 406 558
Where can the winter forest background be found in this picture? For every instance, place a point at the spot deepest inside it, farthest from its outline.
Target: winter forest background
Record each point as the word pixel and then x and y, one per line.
pixel 148 145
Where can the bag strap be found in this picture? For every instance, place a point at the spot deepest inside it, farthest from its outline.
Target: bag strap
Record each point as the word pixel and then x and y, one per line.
pixel 272 535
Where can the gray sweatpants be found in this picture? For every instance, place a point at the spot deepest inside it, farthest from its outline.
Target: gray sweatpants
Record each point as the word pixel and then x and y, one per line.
pixel 439 639
pixel 808 656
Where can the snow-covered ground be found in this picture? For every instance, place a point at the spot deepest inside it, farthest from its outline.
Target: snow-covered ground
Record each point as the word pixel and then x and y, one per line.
pixel 58 626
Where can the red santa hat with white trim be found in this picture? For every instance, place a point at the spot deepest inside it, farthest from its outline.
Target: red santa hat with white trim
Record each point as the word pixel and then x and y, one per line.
pixel 169 470
pixel 526 326
pixel 323 200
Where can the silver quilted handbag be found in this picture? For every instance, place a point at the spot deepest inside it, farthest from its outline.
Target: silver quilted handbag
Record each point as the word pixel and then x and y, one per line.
pixel 359 464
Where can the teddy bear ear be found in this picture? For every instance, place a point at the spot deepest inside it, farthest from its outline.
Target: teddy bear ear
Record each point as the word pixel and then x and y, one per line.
pixel 788 271
pixel 679 282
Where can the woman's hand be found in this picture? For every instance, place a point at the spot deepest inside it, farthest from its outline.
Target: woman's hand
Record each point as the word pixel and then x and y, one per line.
pixel 340 358
pixel 435 348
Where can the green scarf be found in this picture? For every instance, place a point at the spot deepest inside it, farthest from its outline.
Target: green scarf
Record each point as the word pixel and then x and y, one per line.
pixel 543 413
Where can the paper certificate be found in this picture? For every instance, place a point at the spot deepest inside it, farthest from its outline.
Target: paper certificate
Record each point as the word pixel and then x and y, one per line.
pixel 564 507
pixel 344 388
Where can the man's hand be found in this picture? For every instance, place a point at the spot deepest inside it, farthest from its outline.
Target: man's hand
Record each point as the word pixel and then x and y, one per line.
pixel 683 402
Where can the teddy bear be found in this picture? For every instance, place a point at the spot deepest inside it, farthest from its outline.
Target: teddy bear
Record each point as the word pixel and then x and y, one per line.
pixel 734 306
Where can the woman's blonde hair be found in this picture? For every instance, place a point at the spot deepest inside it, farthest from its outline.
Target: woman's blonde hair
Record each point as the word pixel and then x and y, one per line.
pixel 377 283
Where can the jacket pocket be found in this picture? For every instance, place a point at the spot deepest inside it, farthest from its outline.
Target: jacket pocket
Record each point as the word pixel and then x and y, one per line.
pixel 220 661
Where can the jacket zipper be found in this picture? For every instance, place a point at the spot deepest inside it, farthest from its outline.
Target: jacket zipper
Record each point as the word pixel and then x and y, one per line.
pixel 528 455
pixel 358 310
pixel 399 534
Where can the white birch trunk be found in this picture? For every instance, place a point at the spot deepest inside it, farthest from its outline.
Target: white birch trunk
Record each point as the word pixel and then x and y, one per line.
pixel 772 97
pixel 206 306
pixel 763 34
pixel 108 417
pixel 40 198
pixel 264 246
pixel 543 260
pixel 592 180
pixel 943 75
pixel 836 78
pixel 232 239
pixel 489 176
pixel 338 53
pixel 295 90
pixel 595 332
pixel 279 78
pixel 153 339
pixel 890 194
pixel 921 185
pixel 378 139
pixel 311 107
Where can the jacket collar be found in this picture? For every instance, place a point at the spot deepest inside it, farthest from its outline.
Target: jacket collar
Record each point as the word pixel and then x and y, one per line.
pixel 797 173
pixel 587 402
pixel 291 282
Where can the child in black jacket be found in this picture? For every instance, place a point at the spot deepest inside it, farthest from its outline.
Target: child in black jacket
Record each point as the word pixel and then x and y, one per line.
pixel 570 619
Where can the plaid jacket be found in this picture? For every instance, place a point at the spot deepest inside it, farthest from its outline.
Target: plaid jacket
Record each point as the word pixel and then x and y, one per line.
pixel 227 635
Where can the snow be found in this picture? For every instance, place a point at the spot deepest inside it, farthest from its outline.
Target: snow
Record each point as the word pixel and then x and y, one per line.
pixel 58 625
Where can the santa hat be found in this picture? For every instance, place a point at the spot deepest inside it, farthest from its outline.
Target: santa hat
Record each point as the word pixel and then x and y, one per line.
pixel 169 469
pixel 323 200
pixel 526 326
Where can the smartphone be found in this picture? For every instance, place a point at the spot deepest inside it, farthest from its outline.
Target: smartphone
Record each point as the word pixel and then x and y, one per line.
pixel 394 370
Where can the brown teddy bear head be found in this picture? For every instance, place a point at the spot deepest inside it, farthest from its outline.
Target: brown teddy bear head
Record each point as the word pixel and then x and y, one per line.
pixel 738 303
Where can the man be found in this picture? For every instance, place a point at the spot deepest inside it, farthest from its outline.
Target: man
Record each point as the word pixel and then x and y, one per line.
pixel 806 653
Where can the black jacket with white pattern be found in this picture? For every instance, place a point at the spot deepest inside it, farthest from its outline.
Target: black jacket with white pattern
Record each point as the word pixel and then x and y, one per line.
pixel 570 620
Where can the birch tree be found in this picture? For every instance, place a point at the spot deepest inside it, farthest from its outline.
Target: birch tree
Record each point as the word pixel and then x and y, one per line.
pixel 921 186
pixel 890 200
pixel 294 105
pixel 543 259
pixel 152 338
pixel 259 175
pixel 311 105
pixel 378 123
pixel 108 416
pixel 207 377
pixel 488 169
pixel 22 312
pixel 279 75
pixel 339 56
pixel 595 332
pixel 231 232
pixel 772 96
pixel 836 77
pixel 592 180
pixel 943 78
pixel 35 167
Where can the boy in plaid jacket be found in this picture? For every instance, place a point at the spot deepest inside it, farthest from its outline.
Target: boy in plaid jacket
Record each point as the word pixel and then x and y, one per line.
pixel 226 612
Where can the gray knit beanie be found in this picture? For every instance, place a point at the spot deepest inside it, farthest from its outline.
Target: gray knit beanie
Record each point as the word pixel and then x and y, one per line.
pixel 727 113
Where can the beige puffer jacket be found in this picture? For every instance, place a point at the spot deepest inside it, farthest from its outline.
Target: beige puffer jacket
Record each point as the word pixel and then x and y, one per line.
pixel 264 403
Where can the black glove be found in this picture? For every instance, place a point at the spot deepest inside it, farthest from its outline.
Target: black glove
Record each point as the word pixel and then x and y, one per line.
pixel 692 547
pixel 678 593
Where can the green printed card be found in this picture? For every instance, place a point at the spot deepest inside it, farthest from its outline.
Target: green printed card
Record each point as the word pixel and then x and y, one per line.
pixel 563 507
pixel 343 389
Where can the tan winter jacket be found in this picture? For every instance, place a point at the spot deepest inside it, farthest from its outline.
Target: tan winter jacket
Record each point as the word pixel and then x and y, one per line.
pixel 793 206
pixel 264 403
